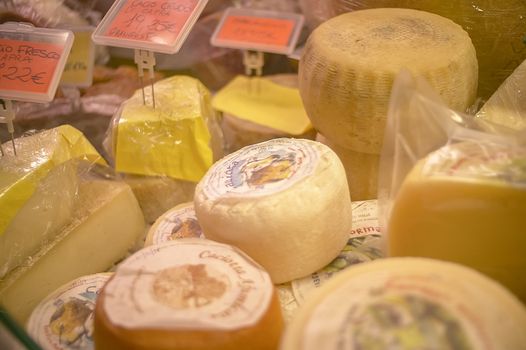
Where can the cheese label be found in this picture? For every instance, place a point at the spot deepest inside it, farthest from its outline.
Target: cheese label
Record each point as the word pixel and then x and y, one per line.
pixel 177 223
pixel 470 160
pixel 188 284
pixel 262 169
pixel 78 70
pixel 387 311
pixel 362 246
pixel 64 320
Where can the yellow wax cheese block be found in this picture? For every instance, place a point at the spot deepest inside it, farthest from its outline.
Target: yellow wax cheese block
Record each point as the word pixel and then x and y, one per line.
pixel 38 187
pixel 64 319
pixel 106 222
pixel 505 111
pixel 178 222
pixel 173 139
pixel 408 303
pixel 466 203
pixel 264 102
pixel 350 61
pixel 361 169
pixel 188 294
pixel 285 202
pixel 157 194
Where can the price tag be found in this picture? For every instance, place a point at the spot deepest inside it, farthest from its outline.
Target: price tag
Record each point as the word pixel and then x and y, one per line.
pixel 31 61
pixel 153 25
pixel 258 30
pixel 78 70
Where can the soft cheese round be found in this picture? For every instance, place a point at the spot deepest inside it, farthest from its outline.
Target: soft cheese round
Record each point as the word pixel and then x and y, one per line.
pixel 408 303
pixel 285 202
pixel 178 222
pixel 64 319
pixel 350 61
pixel 188 294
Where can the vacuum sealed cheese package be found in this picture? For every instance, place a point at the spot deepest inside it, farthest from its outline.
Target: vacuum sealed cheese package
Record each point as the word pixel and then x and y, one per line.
pixel 163 150
pixel 451 192
pixel 61 206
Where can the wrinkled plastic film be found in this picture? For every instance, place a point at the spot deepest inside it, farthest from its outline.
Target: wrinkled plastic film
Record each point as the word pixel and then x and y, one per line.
pixel 38 189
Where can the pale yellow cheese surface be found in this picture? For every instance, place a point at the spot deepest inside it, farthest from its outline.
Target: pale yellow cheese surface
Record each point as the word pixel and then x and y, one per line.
pixel 107 221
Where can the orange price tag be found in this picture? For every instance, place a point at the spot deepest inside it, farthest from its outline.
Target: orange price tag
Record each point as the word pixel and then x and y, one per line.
pixel 159 22
pixel 27 66
pixel 266 31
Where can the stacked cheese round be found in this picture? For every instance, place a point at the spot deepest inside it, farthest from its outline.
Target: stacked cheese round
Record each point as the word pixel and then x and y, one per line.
pixel 64 319
pixel 188 294
pixel 466 202
pixel 408 303
pixel 178 222
pixel 350 61
pixel 285 202
pixel 361 170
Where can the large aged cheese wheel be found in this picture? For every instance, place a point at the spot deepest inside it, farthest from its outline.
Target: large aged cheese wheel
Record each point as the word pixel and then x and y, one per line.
pixel 350 61
pixel 188 294
pixel 408 303
pixel 466 203
pixel 361 170
pixel 285 202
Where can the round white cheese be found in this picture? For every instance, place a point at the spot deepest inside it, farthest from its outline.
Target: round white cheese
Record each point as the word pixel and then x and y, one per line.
pixel 285 202
pixel 188 294
pixel 350 61
pixel 408 303
pixel 178 222
pixel 64 319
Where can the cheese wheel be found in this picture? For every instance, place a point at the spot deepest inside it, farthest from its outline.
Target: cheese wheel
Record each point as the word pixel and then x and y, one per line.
pixel 178 222
pixel 188 294
pixel 350 61
pixel 484 20
pixel 285 202
pixel 466 203
pixel 64 319
pixel 361 170
pixel 408 303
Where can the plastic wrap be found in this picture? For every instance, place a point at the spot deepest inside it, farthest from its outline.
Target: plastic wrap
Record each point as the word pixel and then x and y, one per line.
pixel 449 191
pixel 166 149
pixel 495 27
pixel 38 188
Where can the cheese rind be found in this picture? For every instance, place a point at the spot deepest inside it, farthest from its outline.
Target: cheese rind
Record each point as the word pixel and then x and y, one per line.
pixel 274 202
pixel 106 211
pixel 408 303
pixel 350 61
pixel 465 203
pixel 361 169
pixel 188 294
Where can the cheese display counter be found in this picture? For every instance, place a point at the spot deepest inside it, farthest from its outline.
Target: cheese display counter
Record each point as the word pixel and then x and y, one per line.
pixel 354 178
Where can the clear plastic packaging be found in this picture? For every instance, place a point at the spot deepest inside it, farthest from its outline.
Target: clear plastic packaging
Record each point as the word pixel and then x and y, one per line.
pixel 450 191
pixel 168 149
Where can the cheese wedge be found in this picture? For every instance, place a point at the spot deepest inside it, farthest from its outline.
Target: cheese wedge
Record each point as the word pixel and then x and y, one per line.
pixel 466 203
pixel 188 294
pixel 38 189
pixel 106 223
